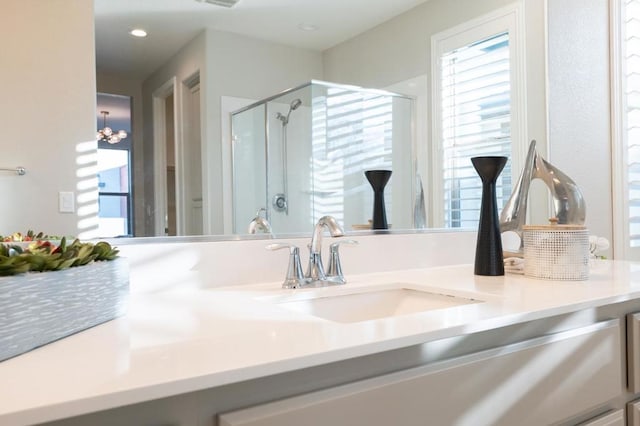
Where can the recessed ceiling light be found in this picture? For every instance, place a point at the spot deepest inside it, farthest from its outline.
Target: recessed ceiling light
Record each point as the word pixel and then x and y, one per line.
pixel 138 32
pixel 307 27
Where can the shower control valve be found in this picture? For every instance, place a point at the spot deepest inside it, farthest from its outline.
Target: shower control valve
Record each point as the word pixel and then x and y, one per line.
pixel 280 202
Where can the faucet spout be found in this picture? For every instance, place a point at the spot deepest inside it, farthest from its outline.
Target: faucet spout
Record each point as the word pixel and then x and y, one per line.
pixel 260 224
pixel 328 222
pixel 316 271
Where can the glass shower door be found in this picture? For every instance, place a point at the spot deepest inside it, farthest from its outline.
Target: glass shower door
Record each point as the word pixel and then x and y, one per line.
pixel 249 166
pixel 289 162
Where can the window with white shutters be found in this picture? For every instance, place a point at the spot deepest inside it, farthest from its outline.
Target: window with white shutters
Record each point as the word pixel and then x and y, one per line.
pixel 625 71
pixel 476 68
pixel 475 122
pixel 631 70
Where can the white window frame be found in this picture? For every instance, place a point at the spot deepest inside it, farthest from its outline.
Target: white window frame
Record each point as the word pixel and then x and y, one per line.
pixel 619 170
pixel 511 19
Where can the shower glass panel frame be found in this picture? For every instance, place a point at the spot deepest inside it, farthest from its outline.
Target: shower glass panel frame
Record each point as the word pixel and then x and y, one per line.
pixel 301 154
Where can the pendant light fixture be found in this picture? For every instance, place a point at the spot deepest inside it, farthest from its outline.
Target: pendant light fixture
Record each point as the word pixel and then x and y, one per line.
pixel 106 134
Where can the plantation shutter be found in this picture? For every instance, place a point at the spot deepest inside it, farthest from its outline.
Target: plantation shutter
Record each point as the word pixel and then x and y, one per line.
pixel 632 114
pixel 476 121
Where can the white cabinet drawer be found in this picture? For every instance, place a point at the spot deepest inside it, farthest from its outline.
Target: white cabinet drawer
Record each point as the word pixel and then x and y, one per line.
pixel 539 381
pixel 633 352
pixel 615 418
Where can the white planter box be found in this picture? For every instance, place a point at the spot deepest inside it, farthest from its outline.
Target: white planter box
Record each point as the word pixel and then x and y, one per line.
pixel 37 308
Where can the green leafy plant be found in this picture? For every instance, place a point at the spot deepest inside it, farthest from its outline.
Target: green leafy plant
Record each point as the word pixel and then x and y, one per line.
pixel 30 235
pixel 45 256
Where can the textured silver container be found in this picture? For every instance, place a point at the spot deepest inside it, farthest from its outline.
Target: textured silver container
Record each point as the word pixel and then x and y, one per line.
pixel 37 308
pixel 556 252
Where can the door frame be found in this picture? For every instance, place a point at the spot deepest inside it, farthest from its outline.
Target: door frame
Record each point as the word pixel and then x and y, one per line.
pixel 182 116
pixel 159 97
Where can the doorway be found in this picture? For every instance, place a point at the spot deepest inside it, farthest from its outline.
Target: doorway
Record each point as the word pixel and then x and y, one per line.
pixel 164 159
pixel 193 223
pixel 179 201
pixel 170 168
pixel 115 212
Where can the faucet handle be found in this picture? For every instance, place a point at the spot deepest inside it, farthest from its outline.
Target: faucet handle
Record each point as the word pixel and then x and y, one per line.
pixel 295 277
pixel 335 268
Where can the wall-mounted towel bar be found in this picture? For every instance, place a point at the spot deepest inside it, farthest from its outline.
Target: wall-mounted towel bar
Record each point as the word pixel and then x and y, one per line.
pixel 18 170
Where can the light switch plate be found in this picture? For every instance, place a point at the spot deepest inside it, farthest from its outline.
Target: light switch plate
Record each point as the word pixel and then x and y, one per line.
pixel 66 202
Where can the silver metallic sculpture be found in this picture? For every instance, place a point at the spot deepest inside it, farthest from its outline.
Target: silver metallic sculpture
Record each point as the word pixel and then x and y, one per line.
pixel 569 206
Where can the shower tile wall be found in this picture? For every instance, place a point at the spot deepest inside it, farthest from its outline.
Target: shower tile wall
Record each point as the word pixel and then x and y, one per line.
pixel 298 171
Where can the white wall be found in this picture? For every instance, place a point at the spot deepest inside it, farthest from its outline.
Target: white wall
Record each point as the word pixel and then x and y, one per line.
pixel 579 120
pixel 47 81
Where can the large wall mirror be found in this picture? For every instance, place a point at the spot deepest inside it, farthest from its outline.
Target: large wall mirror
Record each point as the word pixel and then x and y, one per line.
pixel 201 64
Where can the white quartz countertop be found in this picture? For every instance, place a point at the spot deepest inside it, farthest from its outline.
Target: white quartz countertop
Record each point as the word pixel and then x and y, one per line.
pixel 190 337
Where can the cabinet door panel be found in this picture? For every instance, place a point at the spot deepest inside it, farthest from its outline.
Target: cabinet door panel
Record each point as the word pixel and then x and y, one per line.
pixel 539 381
pixel 633 352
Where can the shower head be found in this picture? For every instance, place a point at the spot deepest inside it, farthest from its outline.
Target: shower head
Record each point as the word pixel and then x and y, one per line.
pixel 295 104
pixel 292 106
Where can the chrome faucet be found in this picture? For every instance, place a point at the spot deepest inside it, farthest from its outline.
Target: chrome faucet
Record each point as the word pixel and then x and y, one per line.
pixel 294 278
pixel 315 271
pixel 260 224
pixel 334 270
pixel 316 275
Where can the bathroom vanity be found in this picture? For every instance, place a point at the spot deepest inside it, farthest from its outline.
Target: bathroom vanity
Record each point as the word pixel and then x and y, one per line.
pixel 435 345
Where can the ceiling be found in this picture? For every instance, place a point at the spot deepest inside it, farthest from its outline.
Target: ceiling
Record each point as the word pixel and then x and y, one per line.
pixel 170 24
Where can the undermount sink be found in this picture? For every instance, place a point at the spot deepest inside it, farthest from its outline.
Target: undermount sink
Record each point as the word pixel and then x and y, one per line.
pixel 372 303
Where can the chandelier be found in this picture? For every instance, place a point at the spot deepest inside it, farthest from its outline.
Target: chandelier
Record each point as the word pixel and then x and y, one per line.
pixel 106 134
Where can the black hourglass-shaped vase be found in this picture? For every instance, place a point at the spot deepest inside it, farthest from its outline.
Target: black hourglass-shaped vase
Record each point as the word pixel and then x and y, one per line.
pixel 489 258
pixel 378 180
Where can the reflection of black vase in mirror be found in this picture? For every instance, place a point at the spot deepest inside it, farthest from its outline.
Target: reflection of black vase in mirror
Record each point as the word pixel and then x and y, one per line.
pixel 489 258
pixel 378 180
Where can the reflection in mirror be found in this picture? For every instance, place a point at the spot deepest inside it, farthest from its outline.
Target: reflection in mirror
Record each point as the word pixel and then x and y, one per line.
pixel 302 155
pixel 114 167
pixel 239 66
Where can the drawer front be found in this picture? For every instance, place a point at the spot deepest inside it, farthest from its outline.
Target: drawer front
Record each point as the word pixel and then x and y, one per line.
pixel 633 352
pixel 539 381
pixel 615 418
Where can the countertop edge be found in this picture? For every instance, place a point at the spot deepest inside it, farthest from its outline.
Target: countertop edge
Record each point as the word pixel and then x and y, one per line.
pixel 166 389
